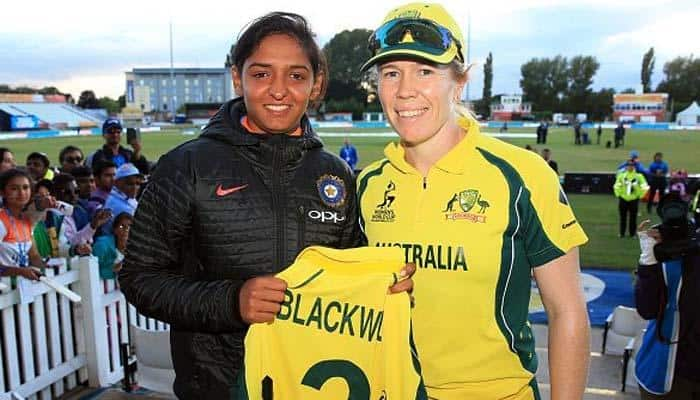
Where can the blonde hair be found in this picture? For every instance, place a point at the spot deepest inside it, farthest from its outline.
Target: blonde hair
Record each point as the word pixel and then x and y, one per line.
pixel 460 72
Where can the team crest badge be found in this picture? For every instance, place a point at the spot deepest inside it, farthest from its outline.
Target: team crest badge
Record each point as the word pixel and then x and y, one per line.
pixel 467 199
pixel 331 189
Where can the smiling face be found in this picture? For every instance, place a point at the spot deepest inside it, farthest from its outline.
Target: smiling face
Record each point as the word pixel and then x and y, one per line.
pixel 419 100
pixel 277 82
pixel 17 192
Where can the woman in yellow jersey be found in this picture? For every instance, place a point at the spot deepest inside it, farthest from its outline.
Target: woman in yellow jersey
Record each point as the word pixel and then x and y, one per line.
pixel 478 217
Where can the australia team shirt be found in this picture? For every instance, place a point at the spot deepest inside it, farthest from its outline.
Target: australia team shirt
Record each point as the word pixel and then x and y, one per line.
pixel 485 215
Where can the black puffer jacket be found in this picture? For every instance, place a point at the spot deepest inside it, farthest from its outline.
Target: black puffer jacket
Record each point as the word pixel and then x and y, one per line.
pixel 221 209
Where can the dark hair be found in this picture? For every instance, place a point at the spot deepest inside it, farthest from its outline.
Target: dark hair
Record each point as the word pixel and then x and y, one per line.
pixel 120 217
pixel 658 153
pixel 68 149
pixel 63 179
pixel 44 183
pixel 82 171
pixel 4 150
pixel 11 174
pixel 102 165
pixel 40 156
pixel 293 25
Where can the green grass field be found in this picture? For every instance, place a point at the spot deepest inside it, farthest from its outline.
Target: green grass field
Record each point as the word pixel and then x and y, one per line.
pixel 597 213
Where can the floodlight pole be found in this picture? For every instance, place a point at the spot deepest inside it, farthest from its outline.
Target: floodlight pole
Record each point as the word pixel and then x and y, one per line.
pixel 172 74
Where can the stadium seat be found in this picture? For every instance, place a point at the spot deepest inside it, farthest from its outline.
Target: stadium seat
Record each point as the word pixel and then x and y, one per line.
pixel 621 325
pixel 155 364
pixel 55 114
pixel 628 360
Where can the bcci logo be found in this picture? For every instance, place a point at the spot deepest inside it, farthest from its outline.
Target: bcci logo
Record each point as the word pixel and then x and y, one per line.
pixel 383 211
pixel 466 199
pixel 332 190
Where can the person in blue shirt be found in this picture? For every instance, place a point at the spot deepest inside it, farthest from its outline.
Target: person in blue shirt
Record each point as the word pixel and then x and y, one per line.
pixel 123 196
pixel 110 249
pixel 113 151
pixel 349 153
pixel 638 166
pixel 657 179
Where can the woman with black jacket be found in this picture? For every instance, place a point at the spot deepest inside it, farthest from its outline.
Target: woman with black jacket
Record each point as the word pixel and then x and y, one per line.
pixel 224 212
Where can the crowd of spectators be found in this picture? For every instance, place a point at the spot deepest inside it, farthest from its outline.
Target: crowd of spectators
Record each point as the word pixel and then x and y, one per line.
pixel 84 206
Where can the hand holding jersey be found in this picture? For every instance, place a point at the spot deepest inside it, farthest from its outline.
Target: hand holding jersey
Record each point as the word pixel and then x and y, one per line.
pixel 361 346
pixel 260 298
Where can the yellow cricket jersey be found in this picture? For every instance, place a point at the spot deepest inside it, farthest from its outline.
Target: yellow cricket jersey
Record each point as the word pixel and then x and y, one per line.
pixel 485 214
pixel 339 334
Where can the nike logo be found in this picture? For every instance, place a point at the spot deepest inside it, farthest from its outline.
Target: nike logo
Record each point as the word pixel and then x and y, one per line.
pixel 221 192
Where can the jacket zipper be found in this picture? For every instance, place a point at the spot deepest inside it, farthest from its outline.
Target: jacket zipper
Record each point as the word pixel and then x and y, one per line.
pixel 278 204
pixel 302 229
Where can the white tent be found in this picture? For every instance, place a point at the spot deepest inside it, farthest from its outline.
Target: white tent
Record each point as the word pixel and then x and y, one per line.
pixel 689 116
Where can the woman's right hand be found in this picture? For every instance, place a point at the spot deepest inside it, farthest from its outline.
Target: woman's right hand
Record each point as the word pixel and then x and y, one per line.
pixel 259 299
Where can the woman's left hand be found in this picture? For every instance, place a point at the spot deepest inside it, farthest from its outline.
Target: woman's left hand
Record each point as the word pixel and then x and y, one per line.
pixel 406 282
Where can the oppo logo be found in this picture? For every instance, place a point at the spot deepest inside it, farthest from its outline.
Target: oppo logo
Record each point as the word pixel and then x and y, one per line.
pixel 325 216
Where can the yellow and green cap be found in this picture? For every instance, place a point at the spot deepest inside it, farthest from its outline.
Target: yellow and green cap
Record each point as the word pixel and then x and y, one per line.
pixel 417 30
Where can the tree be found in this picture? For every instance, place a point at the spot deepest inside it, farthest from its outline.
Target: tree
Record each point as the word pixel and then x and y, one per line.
pixel 109 104
pixel 88 99
pixel 346 52
pixel 601 104
pixel 544 82
pixel 582 69
pixel 122 101
pixel 647 69
pixel 485 102
pixel 682 80
pixel 24 90
pixel 49 90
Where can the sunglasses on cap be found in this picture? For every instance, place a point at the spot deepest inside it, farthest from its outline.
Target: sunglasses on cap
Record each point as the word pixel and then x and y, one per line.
pixel 426 35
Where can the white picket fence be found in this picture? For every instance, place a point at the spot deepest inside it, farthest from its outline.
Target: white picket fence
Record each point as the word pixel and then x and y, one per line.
pixel 50 345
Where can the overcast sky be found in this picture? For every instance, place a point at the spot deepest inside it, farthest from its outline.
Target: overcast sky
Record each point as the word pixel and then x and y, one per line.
pixel 78 45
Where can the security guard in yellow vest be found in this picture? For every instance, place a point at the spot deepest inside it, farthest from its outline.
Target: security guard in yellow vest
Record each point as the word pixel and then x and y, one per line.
pixel 630 186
